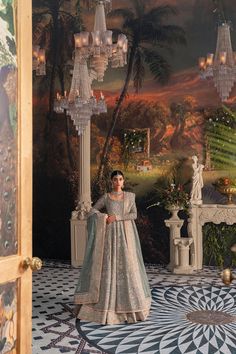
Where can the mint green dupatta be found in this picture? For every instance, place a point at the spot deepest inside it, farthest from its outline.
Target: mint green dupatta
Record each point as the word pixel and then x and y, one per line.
pixel 88 287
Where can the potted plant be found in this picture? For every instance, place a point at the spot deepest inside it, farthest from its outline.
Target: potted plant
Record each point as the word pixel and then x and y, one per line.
pixel 173 198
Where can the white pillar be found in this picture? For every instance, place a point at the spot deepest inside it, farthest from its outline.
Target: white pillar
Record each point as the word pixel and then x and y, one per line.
pixel 78 219
pixel 84 197
pixel 195 232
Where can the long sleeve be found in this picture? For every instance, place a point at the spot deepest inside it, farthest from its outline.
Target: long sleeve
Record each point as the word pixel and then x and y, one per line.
pixel 100 204
pixel 132 215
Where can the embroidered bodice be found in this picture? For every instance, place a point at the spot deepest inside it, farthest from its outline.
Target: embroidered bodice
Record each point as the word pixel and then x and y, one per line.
pixel 124 209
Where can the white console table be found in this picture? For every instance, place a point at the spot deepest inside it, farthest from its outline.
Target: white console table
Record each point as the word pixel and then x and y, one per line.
pixel 201 214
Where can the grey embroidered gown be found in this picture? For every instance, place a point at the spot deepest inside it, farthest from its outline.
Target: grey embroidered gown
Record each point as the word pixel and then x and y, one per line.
pixel 120 281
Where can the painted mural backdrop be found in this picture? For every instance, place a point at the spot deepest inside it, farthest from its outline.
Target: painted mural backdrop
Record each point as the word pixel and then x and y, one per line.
pixel 8 170
pixel 168 114
pixel 8 127
pixel 184 114
pixel 185 117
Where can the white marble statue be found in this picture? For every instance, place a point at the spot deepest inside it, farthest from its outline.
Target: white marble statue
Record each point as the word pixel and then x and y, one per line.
pixel 196 192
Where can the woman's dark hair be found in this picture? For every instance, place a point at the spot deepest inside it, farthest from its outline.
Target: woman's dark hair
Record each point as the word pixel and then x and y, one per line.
pixel 117 173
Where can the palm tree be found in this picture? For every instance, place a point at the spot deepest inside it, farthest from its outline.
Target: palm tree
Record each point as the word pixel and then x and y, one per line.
pixel 147 35
pixel 53 29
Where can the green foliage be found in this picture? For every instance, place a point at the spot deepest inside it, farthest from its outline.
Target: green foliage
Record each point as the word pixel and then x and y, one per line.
pixel 171 189
pixel 134 141
pixel 221 137
pixel 217 241
pixel 173 196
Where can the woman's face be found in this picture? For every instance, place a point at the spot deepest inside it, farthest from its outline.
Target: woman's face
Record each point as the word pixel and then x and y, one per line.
pixel 117 182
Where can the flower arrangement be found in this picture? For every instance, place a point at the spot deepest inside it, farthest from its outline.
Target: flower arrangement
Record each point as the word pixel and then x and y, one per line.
pixel 227 186
pixel 173 196
pixel 225 182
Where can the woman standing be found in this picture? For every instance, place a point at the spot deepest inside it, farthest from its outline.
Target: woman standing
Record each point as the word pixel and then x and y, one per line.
pixel 113 285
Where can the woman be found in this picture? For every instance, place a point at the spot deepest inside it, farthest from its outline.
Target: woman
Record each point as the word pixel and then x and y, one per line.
pixel 113 286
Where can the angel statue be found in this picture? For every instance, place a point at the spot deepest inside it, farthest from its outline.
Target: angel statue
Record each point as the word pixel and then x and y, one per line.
pixel 196 192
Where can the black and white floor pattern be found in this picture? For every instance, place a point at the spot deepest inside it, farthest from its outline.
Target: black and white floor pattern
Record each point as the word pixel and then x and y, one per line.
pixel 190 314
pixel 186 319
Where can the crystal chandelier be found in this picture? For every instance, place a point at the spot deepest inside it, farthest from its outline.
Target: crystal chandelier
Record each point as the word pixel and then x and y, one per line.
pixel 221 67
pixel 99 48
pixel 39 60
pixel 80 104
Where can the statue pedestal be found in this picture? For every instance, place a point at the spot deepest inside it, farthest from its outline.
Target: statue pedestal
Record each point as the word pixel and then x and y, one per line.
pixel 179 246
pixel 174 225
pixel 182 265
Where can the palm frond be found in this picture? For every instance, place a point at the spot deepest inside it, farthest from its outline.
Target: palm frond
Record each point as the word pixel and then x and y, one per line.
pixel 87 3
pixel 158 66
pixel 139 7
pixel 125 13
pixel 160 13
pixel 39 32
pixel 170 34
pixel 39 3
pixel 138 69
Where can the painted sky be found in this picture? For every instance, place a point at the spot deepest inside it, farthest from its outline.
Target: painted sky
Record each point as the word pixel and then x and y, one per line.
pixel 199 20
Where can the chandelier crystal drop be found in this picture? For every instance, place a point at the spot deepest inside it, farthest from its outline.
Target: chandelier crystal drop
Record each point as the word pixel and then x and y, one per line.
pixel 221 67
pixel 80 104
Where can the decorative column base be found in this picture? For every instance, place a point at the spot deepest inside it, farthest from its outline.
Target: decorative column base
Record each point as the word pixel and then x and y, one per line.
pixel 78 239
pixel 183 244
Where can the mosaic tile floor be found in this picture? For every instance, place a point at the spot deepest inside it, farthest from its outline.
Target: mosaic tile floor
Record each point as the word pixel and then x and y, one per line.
pixel 171 331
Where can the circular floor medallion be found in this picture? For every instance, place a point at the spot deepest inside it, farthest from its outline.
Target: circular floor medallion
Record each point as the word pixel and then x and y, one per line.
pixel 207 317
pixel 183 319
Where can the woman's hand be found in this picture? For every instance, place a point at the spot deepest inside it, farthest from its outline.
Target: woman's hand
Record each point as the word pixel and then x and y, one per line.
pixel 111 219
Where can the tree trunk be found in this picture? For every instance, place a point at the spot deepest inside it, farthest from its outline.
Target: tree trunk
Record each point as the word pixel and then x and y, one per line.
pixel 116 113
pixel 67 122
pixel 156 140
pixel 55 46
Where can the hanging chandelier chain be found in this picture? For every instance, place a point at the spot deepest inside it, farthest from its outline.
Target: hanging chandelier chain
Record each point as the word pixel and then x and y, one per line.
pixel 219 8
